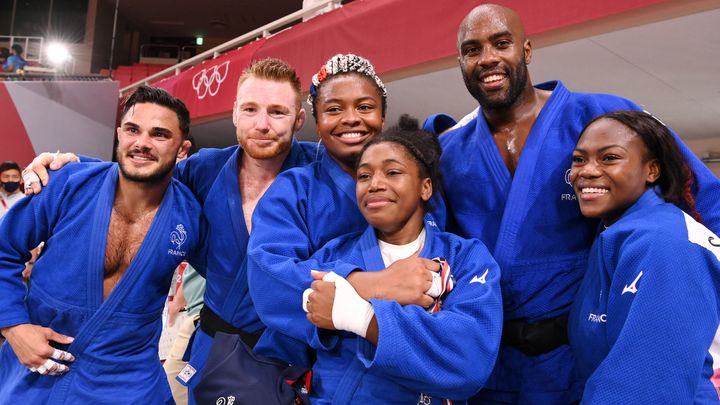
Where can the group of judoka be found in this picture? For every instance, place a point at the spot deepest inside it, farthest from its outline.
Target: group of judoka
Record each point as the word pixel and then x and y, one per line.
pixel 400 266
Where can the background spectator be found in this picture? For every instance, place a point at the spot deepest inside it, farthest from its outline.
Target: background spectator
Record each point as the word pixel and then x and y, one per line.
pixel 10 191
pixel 16 61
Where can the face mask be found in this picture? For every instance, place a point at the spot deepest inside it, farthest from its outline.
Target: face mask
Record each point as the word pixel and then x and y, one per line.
pixel 11 186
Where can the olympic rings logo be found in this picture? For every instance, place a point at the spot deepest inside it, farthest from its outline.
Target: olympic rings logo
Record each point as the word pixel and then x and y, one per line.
pixel 208 81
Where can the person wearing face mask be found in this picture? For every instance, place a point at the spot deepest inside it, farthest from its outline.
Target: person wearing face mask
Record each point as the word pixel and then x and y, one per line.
pixel 10 191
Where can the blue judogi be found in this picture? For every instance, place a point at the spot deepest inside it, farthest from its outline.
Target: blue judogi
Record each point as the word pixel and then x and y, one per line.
pixel 116 340
pixel 302 210
pixel 647 309
pixel 448 354
pixel 532 224
pixel 212 174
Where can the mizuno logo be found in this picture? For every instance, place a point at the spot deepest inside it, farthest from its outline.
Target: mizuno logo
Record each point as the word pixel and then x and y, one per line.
pixel 480 279
pixel 632 288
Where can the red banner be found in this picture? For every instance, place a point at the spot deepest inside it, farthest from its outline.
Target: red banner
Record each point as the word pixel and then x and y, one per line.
pixel 14 142
pixel 209 88
pixel 392 34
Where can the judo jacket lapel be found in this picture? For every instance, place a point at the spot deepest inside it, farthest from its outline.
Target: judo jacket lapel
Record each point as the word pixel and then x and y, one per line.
pixel 342 180
pixel 128 284
pixel 143 261
pixel 521 193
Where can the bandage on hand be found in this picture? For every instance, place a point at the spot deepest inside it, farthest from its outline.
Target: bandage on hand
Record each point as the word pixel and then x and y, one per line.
pixel 35 175
pixel 31 344
pixel 350 312
pixel 436 288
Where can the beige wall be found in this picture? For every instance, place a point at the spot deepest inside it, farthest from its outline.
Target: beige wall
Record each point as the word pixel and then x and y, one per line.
pixel 702 147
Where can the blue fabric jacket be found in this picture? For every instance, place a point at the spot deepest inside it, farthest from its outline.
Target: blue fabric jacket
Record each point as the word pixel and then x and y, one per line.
pixel 647 309
pixel 532 224
pixel 116 340
pixel 448 354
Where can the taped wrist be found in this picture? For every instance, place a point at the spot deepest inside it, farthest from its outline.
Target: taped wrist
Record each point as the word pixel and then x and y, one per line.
pixel 350 312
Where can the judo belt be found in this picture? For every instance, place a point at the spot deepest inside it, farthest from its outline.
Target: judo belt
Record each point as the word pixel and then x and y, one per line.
pixel 210 323
pixel 538 337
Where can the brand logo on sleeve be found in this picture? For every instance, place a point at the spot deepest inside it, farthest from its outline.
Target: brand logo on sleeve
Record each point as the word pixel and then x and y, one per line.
pixel 632 288
pixel 480 279
pixel 177 238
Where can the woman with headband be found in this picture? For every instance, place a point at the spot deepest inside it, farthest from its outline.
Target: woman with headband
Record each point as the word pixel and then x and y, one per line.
pixel 307 207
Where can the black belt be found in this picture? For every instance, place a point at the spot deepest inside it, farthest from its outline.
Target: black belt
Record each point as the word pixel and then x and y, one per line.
pixel 538 337
pixel 210 322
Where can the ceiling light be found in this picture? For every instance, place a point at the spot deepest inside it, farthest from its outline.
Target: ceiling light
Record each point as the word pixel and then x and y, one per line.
pixel 57 53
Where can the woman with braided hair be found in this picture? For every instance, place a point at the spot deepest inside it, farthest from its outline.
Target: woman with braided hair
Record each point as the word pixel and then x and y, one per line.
pixel 307 207
pixel 647 310
pixel 376 350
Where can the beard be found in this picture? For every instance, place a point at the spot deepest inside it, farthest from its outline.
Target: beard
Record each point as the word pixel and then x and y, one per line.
pixel 156 176
pixel 263 153
pixel 518 78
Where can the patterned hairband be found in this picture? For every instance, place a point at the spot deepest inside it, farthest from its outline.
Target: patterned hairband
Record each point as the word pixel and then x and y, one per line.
pixel 344 63
pixel 653 116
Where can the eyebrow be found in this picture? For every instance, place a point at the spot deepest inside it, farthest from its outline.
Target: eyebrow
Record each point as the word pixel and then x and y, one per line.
pixel 161 130
pixel 337 100
pixel 604 148
pixel 255 104
pixel 386 161
pixel 493 37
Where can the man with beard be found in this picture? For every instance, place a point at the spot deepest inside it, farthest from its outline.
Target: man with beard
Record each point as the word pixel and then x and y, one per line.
pixel 114 234
pixel 505 177
pixel 229 183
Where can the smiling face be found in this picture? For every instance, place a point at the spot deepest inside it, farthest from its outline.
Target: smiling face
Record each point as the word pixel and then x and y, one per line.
pixel 391 192
pixel 494 54
pixel 610 170
pixel 149 141
pixel 349 114
pixel 266 115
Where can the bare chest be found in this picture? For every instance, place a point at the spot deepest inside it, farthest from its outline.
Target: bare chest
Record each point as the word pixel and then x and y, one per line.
pixel 123 242
pixel 510 143
pixel 251 191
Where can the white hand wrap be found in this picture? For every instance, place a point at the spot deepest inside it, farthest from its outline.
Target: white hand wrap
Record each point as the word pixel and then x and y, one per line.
pixel 306 298
pixel 30 177
pixel 436 288
pixel 350 312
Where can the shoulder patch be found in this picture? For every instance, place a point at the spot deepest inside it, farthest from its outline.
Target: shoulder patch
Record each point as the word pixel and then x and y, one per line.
pixel 702 236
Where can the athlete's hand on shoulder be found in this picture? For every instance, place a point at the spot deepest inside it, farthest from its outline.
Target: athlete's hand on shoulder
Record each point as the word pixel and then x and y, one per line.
pixel 405 281
pixel 319 303
pixel 35 175
pixel 31 344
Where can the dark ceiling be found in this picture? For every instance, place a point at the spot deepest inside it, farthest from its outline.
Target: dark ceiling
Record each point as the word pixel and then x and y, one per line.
pixel 210 18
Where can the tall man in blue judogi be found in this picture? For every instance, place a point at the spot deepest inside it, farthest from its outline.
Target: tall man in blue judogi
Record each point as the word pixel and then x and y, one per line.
pixel 505 180
pixel 87 329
